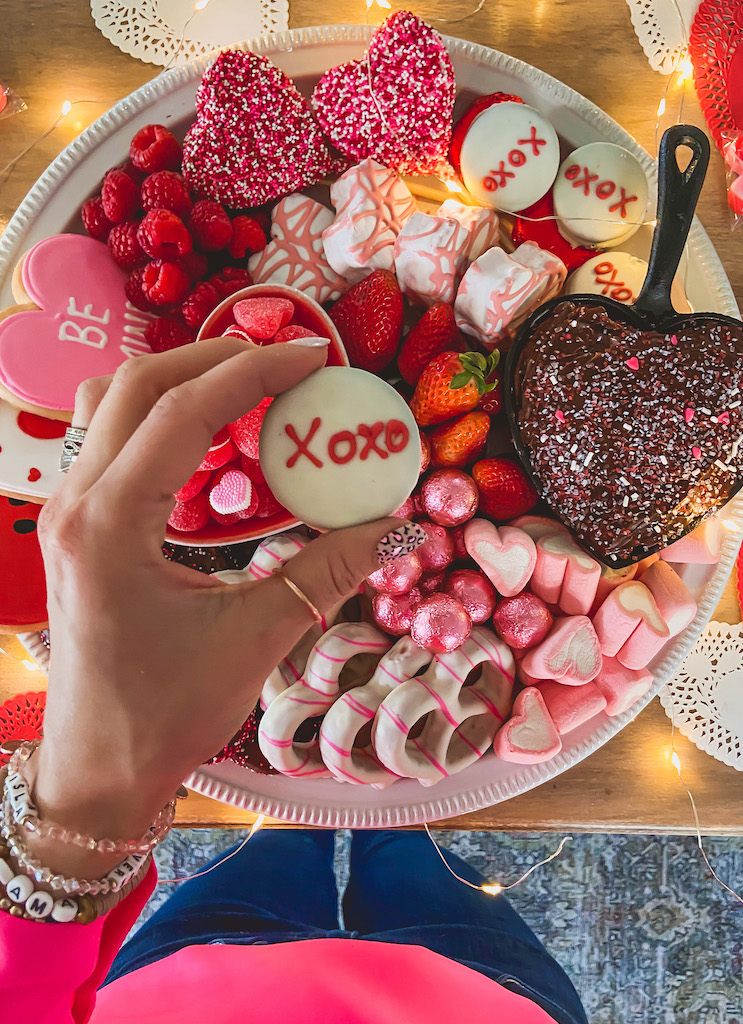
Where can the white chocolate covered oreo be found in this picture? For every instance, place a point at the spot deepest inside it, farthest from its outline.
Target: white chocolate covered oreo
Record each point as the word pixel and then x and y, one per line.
pixel 509 156
pixel 620 276
pixel 340 448
pixel 600 195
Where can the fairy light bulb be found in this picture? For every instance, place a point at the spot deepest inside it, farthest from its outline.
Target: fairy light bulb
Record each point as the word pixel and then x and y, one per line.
pixel 661 107
pixel 30 665
pixel 453 186
pixel 200 5
pixel 676 762
pixel 66 108
pixel 492 890
pixel 686 71
pixel 730 525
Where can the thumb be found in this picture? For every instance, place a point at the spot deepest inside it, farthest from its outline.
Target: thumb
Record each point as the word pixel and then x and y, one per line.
pixel 329 570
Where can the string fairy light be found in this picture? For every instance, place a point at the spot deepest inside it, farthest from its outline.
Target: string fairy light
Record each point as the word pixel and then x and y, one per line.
pixel 257 824
pixel 496 888
pixel 199 6
pixel 65 110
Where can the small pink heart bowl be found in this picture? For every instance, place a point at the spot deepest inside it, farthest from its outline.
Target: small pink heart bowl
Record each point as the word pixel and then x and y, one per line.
pixel 307 313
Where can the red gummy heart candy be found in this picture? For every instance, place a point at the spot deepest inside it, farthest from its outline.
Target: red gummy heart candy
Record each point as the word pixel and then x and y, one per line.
pixel 254 138
pixel 190 515
pixel 263 317
pixel 405 120
pixel 194 485
pixel 246 431
pixel 293 331
pixel 220 452
pixel 267 504
pixel 252 468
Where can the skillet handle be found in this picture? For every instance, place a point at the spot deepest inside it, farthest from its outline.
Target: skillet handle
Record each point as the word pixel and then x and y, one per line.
pixel 678 192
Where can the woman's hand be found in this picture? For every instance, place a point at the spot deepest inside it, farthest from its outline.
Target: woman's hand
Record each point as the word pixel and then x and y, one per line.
pixel 156 666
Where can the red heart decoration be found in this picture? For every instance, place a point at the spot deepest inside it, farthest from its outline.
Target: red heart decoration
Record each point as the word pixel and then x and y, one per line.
pixel 254 138
pixel 405 119
pixel 21 718
pixel 714 47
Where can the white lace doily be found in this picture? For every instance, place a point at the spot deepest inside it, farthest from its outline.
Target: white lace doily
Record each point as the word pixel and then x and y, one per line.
pixel 156 31
pixel 705 699
pixel 663 26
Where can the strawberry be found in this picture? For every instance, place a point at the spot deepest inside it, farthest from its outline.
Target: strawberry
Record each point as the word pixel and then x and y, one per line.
pixel 452 384
pixel 369 320
pixel 505 490
pixel 491 401
pixel 435 332
pixel 460 441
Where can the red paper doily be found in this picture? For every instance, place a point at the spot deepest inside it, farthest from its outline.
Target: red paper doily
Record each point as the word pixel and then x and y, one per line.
pixel 21 719
pixel 716 51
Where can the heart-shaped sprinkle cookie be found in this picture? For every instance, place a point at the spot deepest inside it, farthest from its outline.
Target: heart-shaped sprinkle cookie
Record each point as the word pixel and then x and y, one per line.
pixel 602 417
pixel 254 138
pixel 396 103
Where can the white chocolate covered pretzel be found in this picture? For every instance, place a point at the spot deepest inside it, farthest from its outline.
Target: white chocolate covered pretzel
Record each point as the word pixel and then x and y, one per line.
pixel 459 722
pixel 311 696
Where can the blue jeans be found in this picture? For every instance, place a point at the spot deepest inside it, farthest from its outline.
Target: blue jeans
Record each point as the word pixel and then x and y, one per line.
pixel 281 888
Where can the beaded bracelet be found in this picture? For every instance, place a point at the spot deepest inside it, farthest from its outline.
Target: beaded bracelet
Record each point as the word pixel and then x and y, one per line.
pixel 25 814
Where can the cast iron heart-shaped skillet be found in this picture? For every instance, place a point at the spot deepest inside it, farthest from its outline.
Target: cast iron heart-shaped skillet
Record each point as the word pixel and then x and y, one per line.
pixel 628 419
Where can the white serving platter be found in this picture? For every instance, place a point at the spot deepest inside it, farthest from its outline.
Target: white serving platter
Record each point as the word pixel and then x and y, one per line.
pixel 305 54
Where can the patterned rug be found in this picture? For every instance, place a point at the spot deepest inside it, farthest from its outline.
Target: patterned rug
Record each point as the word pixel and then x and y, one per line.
pixel 636 921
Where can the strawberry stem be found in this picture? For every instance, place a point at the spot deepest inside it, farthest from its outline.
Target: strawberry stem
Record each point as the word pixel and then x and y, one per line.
pixel 476 368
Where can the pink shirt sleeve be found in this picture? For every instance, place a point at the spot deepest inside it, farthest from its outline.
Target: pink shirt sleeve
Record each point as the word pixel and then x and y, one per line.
pixel 49 973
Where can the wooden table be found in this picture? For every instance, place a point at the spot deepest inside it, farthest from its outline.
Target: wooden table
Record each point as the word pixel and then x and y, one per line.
pixel 628 785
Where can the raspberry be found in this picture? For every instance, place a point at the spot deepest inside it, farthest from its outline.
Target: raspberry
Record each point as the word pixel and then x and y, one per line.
pixel 133 290
pixel 200 303
pixel 120 196
pixel 210 226
pixel 163 235
pixel 136 175
pixel 194 264
pixel 163 283
pixel 95 221
pixel 247 238
pixel 154 148
pixel 163 334
pixel 125 249
pixel 166 190
pixel 230 280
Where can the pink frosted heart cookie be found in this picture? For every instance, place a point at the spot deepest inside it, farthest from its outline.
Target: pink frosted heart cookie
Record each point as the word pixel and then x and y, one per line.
pixel 372 203
pixel 254 138
pixel 565 575
pixel 621 686
pixel 570 653
pixel 295 255
pixel 507 556
pixel 628 610
pixel 396 103
pixel 702 547
pixel 529 736
pixel 499 291
pixel 571 706
pixel 83 326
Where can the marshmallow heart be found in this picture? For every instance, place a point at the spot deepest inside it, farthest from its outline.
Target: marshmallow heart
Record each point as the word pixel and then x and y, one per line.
pixel 507 556
pixel 232 493
pixel 529 736
pixel 254 137
pixel 570 653
pixel 405 119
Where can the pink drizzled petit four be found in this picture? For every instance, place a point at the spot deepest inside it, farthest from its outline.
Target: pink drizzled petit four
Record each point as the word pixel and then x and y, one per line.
pixel 509 156
pixel 295 255
pixel 340 448
pixel 570 653
pixel 499 291
pixel 565 575
pixel 630 613
pixel 481 223
pixel 621 686
pixel 506 555
pixel 600 195
pixel 571 706
pixel 372 203
pixel 529 736
pixel 702 547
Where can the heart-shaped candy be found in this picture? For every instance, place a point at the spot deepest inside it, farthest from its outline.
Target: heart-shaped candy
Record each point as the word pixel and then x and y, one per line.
pixel 529 736
pixel 233 493
pixel 570 653
pixel 84 326
pixel 507 556
pixel 405 119
pixel 254 138
pixel 601 409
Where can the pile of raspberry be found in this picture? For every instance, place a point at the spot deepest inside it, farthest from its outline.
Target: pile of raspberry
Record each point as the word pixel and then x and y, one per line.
pixel 184 253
